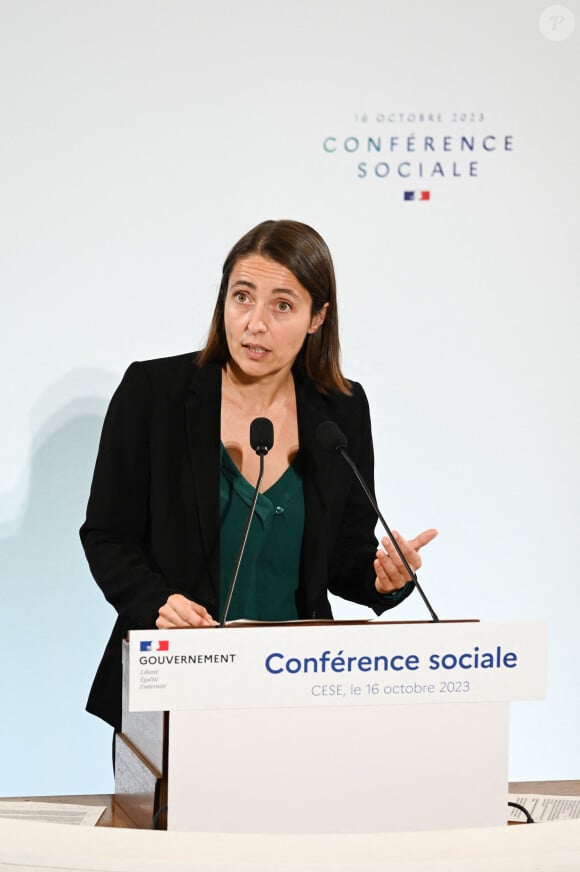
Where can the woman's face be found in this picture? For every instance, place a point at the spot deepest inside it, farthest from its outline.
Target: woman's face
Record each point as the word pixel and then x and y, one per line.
pixel 267 316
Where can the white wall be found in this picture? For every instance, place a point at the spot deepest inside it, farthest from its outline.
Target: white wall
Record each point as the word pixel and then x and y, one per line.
pixel 139 141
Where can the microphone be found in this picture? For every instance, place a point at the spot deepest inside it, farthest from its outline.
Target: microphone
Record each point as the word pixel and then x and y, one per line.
pixel 261 435
pixel 331 438
pixel 261 440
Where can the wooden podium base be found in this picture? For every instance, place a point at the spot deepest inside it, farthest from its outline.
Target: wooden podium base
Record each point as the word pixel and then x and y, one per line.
pixel 141 763
pixel 140 788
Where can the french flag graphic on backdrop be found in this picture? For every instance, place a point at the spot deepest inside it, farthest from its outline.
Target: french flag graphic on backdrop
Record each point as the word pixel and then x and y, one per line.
pixel 417 195
pixel 162 645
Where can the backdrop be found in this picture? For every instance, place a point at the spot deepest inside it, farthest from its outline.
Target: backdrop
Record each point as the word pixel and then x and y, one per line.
pixel 435 147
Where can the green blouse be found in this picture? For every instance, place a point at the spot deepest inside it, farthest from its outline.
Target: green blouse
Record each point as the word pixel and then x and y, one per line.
pixel 270 568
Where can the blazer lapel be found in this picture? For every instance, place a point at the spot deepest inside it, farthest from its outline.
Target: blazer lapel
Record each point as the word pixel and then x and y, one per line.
pixel 202 421
pixel 311 412
pixel 317 466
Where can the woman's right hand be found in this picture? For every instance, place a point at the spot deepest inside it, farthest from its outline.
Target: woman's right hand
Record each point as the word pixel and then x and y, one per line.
pixel 180 613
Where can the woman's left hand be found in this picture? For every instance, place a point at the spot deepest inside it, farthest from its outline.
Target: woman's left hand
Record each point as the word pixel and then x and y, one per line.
pixel 391 574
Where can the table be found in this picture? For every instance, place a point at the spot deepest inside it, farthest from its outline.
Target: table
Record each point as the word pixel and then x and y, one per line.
pixel 115 816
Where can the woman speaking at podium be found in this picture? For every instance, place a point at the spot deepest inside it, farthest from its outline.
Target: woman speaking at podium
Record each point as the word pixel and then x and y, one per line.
pixel 175 471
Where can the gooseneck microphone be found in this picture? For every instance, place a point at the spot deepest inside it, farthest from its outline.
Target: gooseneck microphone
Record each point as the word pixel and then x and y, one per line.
pixel 331 438
pixel 261 440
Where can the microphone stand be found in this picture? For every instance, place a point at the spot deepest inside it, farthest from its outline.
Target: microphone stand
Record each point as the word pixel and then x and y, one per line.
pixel 243 545
pixel 340 450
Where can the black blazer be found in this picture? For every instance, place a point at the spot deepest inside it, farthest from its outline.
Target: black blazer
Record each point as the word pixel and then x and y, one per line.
pixel 152 525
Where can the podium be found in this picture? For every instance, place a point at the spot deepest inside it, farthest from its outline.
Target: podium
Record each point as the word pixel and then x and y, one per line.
pixel 325 728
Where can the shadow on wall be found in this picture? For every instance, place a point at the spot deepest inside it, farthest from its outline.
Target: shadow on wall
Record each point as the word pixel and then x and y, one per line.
pixel 56 620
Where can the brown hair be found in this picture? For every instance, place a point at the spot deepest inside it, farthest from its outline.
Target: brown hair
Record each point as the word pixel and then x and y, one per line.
pixel 304 252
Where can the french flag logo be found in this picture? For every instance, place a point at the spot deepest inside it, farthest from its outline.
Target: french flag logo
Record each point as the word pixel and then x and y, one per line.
pixel 417 195
pixel 162 645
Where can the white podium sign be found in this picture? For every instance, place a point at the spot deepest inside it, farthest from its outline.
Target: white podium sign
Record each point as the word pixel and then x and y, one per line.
pixel 377 663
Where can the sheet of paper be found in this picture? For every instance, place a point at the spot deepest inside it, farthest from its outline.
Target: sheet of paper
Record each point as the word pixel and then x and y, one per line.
pixel 52 812
pixel 544 808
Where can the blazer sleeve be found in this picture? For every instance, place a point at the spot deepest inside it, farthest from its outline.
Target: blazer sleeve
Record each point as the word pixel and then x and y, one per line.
pixel 115 532
pixel 352 574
